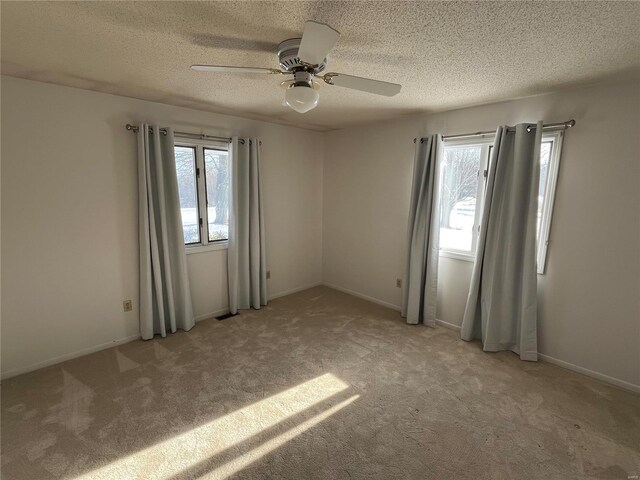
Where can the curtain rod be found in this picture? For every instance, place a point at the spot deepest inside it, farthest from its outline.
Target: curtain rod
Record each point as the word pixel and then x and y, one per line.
pixel 564 125
pixel 199 136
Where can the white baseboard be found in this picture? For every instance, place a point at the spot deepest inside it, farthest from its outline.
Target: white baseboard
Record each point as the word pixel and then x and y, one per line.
pixel 450 326
pixel 68 356
pixel 273 296
pixel 363 296
pixel 561 363
pixel 224 311
pixel 590 373
pixel 114 343
pixel 392 306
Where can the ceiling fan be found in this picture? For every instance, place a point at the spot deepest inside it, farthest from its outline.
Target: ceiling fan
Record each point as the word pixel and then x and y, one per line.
pixel 305 58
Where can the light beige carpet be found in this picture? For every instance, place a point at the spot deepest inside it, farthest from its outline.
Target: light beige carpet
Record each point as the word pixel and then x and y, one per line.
pixel 318 385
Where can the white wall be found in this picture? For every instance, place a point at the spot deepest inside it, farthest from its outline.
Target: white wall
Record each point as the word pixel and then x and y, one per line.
pixel 589 296
pixel 69 217
pixel 342 222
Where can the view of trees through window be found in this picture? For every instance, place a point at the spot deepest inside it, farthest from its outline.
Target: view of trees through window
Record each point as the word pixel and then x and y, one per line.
pixel 458 201
pixel 460 171
pixel 188 191
pixel 545 160
pixel 216 165
pixel 215 176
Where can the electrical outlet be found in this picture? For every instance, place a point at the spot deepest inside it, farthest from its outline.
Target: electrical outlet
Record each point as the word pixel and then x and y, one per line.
pixel 127 305
pixel 399 282
pixel 268 274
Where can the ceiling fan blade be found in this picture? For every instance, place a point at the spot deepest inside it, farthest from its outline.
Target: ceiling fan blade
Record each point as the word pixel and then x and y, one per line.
pixel 317 41
pixel 228 42
pixel 227 69
pixel 363 84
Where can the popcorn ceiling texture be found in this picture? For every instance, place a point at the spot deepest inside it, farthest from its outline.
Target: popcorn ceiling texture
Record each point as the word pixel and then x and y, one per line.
pixel 445 54
pixel 317 385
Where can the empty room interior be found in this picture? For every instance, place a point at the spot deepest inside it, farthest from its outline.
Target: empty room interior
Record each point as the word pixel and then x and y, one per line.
pixel 320 240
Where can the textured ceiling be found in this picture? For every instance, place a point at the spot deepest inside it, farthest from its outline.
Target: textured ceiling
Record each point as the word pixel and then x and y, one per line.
pixel 445 54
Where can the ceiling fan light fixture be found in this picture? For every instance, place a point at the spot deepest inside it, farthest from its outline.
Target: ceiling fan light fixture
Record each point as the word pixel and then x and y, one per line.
pixel 305 58
pixel 301 98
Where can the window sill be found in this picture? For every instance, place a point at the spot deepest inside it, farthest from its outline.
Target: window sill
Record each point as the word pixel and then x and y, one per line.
pixel 466 257
pixel 207 248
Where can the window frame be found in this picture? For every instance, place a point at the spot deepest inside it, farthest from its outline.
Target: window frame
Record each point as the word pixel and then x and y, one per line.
pixel 205 245
pixel 485 142
pixel 195 169
pixel 543 240
pixel 557 137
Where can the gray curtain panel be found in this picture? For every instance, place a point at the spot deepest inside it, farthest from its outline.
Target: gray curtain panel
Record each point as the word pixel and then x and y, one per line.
pixel 502 304
pixel 165 298
pixel 420 283
pixel 246 256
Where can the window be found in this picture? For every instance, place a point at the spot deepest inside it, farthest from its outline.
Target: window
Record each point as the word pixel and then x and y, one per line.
pixel 463 173
pixel 188 191
pixel 549 165
pixel 216 172
pixel 461 191
pixel 203 184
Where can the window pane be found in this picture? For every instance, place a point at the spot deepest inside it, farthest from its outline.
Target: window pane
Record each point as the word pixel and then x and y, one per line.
pixel 545 158
pixel 188 191
pixel 216 164
pixel 459 190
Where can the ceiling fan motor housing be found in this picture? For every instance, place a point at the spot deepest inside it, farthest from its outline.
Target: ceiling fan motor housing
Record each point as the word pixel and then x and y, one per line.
pixel 289 60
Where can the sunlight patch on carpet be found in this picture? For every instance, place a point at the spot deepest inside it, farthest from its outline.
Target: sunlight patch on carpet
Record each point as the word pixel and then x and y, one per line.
pixel 223 436
pixel 234 466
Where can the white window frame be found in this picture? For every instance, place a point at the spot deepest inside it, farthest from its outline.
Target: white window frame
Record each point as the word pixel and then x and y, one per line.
pixel 543 240
pixel 549 197
pixel 484 142
pixel 199 145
